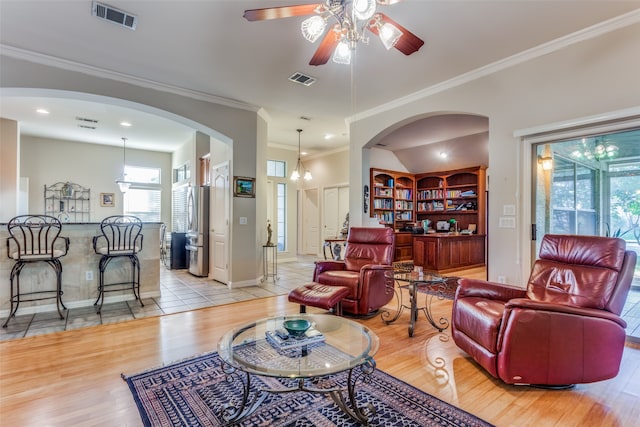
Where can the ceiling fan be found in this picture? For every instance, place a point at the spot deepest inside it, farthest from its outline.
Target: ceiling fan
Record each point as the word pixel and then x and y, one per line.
pixel 350 19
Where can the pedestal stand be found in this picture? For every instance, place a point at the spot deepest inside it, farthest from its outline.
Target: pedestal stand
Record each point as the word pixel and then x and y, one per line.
pixel 269 262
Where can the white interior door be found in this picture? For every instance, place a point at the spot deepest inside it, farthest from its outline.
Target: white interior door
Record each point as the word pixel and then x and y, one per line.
pixel 219 232
pixel 330 213
pixel 311 222
pixel 343 206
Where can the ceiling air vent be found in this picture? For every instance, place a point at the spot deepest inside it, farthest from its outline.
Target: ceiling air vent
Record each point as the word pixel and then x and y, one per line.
pixel 86 119
pixel 114 15
pixel 302 79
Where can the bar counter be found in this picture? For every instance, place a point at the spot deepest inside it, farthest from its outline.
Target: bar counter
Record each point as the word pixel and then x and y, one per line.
pixel 77 290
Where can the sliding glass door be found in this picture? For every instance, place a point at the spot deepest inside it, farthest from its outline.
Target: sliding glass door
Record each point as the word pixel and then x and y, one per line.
pixel 588 186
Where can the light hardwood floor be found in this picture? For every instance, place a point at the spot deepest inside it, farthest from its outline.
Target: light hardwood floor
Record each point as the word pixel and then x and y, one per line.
pixel 73 378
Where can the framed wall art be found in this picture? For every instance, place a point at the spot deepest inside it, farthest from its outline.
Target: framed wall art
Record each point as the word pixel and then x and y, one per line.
pixel 244 187
pixel 107 199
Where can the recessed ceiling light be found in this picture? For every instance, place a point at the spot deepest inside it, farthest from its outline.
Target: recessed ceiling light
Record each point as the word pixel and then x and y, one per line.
pixel 443 155
pixel 328 136
pixel 42 111
pixel 303 153
pixel 125 124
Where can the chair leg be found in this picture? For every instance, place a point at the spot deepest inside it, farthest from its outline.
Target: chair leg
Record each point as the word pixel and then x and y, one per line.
pixel 15 296
pixel 337 309
pixel 102 266
pixel 303 309
pixel 135 266
pixel 57 267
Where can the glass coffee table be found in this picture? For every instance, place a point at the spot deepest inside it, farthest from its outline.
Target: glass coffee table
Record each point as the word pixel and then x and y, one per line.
pixel 332 345
pixel 431 284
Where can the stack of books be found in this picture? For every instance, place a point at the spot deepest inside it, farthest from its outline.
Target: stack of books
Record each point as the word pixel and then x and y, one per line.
pixel 281 340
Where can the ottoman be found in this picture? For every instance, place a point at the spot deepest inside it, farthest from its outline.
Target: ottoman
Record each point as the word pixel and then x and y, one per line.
pixel 320 296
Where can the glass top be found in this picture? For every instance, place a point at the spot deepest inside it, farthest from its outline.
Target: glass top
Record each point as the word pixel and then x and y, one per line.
pixel 414 276
pixel 341 344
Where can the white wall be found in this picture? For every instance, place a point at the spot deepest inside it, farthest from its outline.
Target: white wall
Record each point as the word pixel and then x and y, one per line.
pixel 385 159
pixel 591 77
pixel 46 161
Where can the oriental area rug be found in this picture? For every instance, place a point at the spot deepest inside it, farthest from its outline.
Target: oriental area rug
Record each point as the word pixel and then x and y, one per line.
pixel 193 393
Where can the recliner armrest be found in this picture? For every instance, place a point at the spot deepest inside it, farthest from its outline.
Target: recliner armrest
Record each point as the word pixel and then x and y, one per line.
pixel 322 266
pixel 376 267
pixel 373 270
pixel 529 304
pixel 490 290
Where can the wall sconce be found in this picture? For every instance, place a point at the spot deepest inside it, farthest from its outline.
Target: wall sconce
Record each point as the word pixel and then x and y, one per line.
pixel 546 162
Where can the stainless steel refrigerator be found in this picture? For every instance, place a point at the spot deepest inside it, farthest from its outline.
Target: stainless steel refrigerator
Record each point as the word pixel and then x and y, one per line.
pixel 198 230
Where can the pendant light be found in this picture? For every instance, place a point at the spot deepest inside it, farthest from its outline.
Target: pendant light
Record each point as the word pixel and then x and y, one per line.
pixel 299 170
pixel 122 181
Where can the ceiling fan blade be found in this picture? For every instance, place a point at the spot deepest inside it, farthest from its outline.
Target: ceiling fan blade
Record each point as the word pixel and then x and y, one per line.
pixel 388 2
pixel 326 48
pixel 409 43
pixel 280 12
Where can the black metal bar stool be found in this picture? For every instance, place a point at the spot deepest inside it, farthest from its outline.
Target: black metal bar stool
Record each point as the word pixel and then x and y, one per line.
pixel 35 238
pixel 121 238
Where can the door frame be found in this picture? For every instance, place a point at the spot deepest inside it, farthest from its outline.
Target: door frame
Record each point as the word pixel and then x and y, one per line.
pixel 527 165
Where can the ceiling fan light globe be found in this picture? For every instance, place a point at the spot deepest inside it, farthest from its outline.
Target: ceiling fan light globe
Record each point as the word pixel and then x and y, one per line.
pixel 389 35
pixel 342 54
pixel 313 27
pixel 364 9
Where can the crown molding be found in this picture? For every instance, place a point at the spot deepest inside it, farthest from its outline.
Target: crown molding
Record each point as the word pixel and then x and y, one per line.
pixel 66 64
pixel 593 31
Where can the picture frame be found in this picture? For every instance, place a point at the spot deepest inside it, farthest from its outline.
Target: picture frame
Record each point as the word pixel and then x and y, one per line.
pixel 107 199
pixel 244 186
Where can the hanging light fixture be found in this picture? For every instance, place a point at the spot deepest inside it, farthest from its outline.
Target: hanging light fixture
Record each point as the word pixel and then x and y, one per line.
pixel 299 170
pixel 122 181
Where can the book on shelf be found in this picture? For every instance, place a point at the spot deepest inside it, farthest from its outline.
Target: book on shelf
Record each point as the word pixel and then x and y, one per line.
pixel 280 340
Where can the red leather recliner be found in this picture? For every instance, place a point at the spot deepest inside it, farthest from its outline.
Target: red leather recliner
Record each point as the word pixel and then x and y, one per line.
pixel 564 328
pixel 368 254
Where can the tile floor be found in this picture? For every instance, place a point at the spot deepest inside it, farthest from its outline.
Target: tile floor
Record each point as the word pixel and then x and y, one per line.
pixel 180 291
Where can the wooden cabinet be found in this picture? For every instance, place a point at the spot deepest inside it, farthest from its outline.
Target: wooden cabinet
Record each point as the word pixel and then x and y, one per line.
pixel 444 253
pixel 403 247
pixel 458 195
pixel 392 197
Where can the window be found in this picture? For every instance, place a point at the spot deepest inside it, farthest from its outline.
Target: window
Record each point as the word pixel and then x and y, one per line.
pixel 142 175
pixel 282 216
pixel 143 203
pixel 143 199
pixel 276 168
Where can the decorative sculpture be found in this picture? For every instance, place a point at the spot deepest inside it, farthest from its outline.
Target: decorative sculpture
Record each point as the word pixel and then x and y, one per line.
pixel 269 233
pixel 345 226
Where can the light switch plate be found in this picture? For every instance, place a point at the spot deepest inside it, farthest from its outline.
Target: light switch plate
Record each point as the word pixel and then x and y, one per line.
pixel 243 220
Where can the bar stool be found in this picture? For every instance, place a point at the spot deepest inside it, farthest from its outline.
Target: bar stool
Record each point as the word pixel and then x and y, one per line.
pixel 35 238
pixel 121 238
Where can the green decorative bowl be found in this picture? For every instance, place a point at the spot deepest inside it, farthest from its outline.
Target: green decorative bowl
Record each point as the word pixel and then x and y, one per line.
pixel 296 327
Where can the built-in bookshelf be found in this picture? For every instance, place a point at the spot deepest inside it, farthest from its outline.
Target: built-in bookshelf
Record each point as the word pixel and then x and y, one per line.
pixel 392 197
pixel 399 198
pixel 458 194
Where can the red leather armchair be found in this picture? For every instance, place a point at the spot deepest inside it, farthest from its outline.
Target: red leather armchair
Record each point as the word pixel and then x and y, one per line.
pixel 564 328
pixel 368 254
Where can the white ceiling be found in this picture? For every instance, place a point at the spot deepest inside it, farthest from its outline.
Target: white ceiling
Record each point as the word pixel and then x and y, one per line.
pixel 207 47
